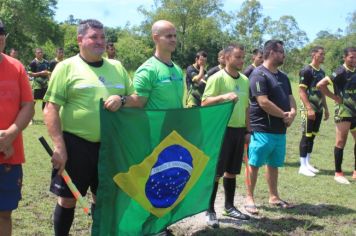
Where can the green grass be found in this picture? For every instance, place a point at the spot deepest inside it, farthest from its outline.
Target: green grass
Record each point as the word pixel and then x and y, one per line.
pixel 323 206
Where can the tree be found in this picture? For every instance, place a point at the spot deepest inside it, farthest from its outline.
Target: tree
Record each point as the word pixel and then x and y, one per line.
pixel 250 24
pixel 29 24
pixel 198 24
pixel 351 28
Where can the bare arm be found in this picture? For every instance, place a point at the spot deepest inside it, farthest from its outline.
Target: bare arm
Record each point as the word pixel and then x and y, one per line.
pixel 199 76
pixel 323 87
pixel 289 116
pixel 53 123
pixel 326 109
pixel 220 98
pixel 8 136
pixel 304 97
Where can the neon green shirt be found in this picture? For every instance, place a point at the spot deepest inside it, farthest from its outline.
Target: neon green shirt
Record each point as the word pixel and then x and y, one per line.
pixel 78 87
pixel 222 83
pixel 160 83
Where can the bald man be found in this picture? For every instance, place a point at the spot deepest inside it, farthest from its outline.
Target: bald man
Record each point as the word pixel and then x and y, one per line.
pixel 159 81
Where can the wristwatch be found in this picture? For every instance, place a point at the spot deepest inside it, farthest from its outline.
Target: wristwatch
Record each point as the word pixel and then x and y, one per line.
pixel 123 100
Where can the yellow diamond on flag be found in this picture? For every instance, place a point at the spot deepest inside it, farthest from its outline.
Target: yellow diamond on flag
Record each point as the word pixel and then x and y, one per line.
pixel 165 177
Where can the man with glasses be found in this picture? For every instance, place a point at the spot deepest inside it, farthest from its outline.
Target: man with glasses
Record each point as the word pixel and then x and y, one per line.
pixel 272 110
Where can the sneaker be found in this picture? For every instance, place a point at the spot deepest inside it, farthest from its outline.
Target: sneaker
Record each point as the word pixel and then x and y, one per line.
pixel 312 169
pixel 305 171
pixel 211 219
pixel 234 213
pixel 341 179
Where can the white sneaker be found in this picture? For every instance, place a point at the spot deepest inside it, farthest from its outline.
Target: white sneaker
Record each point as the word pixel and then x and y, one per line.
pixel 341 179
pixel 312 169
pixel 305 171
pixel 211 219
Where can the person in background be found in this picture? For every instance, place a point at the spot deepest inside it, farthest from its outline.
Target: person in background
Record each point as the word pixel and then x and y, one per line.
pixel 257 60
pixel 221 60
pixel 59 57
pixel 111 50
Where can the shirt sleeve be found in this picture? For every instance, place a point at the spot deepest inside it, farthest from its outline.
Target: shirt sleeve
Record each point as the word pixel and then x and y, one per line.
pixel 57 87
pixel 211 88
pixel 142 81
pixel 258 85
pixel 32 67
pixel 305 78
pixel 338 76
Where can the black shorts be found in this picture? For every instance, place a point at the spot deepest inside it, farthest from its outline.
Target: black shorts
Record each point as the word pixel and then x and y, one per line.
pixel 352 120
pixel 311 127
pixel 232 151
pixel 82 167
pixel 38 94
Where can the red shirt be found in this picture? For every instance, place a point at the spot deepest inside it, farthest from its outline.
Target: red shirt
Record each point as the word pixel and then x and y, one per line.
pixel 14 89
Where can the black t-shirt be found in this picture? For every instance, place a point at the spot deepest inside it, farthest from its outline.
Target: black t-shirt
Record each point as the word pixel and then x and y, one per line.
pixel 249 70
pixel 212 71
pixel 277 88
pixel 309 77
pixel 344 81
pixel 52 64
pixel 191 72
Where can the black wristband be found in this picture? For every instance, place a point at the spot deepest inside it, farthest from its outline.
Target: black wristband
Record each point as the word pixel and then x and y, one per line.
pixel 123 100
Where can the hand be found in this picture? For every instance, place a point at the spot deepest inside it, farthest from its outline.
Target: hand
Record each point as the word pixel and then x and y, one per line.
pixel 59 159
pixel 326 114
pixel 230 97
pixel 201 63
pixel 8 152
pixel 288 118
pixel 6 139
pixel 338 100
pixel 113 103
pixel 310 114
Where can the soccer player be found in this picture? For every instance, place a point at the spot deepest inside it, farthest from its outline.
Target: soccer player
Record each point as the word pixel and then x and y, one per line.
pixel 16 106
pixel 39 70
pixel 344 82
pixel 159 81
pixel 73 120
pixel 257 60
pixel 272 110
pixel 230 85
pixel 195 79
pixel 313 102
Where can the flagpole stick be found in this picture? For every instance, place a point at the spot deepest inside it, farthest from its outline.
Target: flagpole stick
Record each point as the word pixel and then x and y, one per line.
pixel 80 199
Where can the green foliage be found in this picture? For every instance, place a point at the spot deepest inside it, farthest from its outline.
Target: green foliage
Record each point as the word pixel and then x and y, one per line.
pixel 30 24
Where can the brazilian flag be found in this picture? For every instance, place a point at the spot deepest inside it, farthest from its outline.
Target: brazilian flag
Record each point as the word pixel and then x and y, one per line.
pixel 156 167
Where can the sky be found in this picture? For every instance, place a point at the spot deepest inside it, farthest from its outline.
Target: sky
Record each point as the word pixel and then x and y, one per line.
pixel 312 16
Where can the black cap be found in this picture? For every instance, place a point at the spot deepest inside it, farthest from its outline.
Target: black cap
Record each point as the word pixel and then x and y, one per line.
pixel 2 28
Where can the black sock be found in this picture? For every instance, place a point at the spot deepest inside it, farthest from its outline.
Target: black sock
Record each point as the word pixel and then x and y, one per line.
pixel 338 155
pixel 92 209
pixel 229 189
pixel 213 196
pixel 303 146
pixel 62 220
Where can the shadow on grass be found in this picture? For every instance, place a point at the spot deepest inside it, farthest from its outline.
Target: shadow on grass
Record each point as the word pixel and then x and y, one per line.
pixel 263 226
pixel 319 210
pixel 291 164
pixel 228 231
pixel 332 173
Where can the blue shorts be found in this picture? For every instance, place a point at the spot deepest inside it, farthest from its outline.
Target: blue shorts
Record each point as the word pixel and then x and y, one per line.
pixel 10 186
pixel 267 149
